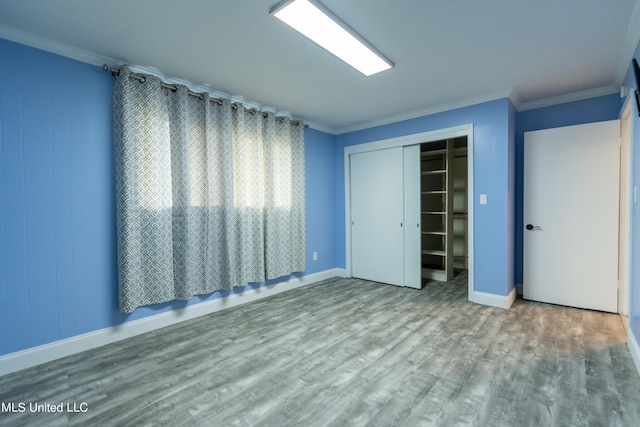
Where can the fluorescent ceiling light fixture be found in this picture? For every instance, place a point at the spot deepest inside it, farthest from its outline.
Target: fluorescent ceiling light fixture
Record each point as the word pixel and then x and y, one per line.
pixel 316 22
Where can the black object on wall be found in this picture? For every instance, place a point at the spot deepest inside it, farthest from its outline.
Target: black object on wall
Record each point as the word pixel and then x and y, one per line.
pixel 636 73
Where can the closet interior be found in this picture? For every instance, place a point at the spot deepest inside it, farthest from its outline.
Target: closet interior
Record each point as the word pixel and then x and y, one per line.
pixel 443 208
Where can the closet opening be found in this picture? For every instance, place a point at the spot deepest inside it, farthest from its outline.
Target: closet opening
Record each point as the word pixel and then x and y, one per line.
pixel 389 203
pixel 444 210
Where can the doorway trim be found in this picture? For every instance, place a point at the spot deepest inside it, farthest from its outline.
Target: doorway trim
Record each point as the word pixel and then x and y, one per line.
pixel 625 201
pixel 414 139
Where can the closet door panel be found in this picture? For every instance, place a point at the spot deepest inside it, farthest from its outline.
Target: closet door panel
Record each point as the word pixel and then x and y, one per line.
pixel 377 229
pixel 412 241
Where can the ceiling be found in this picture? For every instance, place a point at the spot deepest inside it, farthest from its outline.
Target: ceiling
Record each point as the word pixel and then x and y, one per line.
pixel 447 53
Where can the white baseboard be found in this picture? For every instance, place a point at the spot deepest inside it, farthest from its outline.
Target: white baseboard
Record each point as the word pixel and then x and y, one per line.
pixel 46 353
pixel 634 348
pixel 494 300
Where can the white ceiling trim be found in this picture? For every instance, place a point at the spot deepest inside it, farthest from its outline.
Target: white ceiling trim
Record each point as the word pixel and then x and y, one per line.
pixel 427 111
pixel 53 46
pixel 212 93
pixel 68 51
pixel 320 127
pixel 629 46
pixel 512 95
pixel 631 41
pixel 570 97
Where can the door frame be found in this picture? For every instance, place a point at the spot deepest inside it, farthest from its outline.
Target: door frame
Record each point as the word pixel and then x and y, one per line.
pixel 625 201
pixel 414 139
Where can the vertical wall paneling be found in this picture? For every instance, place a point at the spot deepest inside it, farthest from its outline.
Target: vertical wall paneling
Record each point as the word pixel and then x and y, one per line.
pixel 58 222
pixel 104 213
pixel 13 309
pixel 58 273
pixel 80 160
pixel 3 263
pixel 59 82
pixel 3 241
pixel 39 193
pixel 83 211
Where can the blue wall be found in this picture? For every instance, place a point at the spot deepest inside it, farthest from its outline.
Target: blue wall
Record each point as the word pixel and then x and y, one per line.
pixel 57 223
pixel 321 218
pixel 56 180
pixel 511 192
pixel 493 167
pixel 571 113
pixel 57 203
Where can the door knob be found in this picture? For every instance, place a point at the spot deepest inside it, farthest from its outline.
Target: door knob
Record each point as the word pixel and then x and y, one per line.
pixel 532 227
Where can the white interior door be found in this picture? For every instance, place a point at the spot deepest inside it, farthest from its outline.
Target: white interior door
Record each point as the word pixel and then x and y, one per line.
pixel 571 180
pixel 377 236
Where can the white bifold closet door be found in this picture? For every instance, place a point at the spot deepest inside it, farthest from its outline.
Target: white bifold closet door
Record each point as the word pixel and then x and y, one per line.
pixel 378 216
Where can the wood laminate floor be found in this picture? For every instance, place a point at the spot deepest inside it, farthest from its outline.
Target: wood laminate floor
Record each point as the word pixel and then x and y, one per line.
pixel 347 352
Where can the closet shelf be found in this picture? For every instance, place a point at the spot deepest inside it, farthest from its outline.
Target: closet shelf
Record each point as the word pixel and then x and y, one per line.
pixel 434 213
pixel 435 233
pixel 434 153
pixel 435 172
pixel 434 252
pixel 435 192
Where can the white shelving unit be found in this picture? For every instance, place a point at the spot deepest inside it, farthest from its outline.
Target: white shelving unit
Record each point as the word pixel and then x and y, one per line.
pixel 436 184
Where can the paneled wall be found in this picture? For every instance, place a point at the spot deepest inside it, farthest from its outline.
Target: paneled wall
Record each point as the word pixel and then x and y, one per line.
pixel 58 274
pixel 57 219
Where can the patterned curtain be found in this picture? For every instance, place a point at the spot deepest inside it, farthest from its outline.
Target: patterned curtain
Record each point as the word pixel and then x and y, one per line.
pixel 209 195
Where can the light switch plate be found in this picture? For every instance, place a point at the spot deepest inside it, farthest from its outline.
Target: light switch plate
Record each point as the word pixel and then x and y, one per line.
pixel 483 199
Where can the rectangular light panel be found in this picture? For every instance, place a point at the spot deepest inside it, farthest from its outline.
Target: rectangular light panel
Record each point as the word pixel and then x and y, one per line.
pixel 317 23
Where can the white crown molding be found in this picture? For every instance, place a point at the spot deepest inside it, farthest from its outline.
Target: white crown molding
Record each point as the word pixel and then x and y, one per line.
pixel 68 51
pixel 570 97
pixel 59 48
pixel 511 94
pixel 514 96
pixel 427 111
pixel 49 45
pixel 320 127
pixel 629 45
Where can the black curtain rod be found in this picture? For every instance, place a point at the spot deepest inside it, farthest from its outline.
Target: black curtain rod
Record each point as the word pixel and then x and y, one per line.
pixel 142 79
